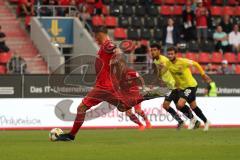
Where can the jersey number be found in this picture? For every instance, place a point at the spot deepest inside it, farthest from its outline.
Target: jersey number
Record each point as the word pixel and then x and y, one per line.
pixel 187 92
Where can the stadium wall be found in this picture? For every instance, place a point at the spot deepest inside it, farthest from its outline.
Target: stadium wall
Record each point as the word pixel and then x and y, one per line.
pixel 17 114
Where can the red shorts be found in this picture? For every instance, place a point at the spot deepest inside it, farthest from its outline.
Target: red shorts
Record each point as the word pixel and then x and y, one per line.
pixel 98 95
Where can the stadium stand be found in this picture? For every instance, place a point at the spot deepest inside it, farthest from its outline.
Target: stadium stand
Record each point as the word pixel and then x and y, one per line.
pixel 145 19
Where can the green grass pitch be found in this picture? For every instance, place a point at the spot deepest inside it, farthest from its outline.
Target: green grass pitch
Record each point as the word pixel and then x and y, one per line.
pixel 124 144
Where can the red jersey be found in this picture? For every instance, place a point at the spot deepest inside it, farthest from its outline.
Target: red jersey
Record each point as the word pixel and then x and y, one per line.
pixel 103 67
pixel 201 17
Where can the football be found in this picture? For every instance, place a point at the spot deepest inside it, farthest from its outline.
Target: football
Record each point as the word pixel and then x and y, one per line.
pixel 54 133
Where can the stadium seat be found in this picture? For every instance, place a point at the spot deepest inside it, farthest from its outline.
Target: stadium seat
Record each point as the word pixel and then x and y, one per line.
pixel 2 69
pixel 133 34
pixel 111 21
pixel 127 10
pixel 105 10
pixel 169 2
pixel 123 22
pixel 219 2
pixel 157 34
pixel 193 46
pixel 140 11
pixel 166 10
pixel 97 21
pixel 216 11
pixel 177 10
pixel 120 33
pixel 237 11
pixel 115 10
pixel 132 2
pixel 179 54
pixel 152 11
pixel 136 22
pixel 206 46
pixel 145 34
pixel 237 69
pixel 230 57
pixel 228 10
pixel 217 57
pixel 204 57
pixel 90 1
pixel 158 2
pixel 119 2
pixel 149 22
pixel 5 57
pixel 181 2
pixel 191 56
pixel 232 2
pixel 238 57
pixel 107 2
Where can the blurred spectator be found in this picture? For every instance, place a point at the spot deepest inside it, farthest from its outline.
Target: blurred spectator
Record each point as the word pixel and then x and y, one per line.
pixel 234 39
pixel 207 4
pixel 98 7
pixel 191 3
pixel 224 68
pixel 170 34
pixel 3 46
pixel 210 69
pixel 26 7
pixel 17 65
pixel 226 24
pixel 201 21
pixel 221 40
pixel 189 25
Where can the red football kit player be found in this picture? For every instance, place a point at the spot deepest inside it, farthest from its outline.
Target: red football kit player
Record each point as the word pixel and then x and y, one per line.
pixel 103 89
pixel 129 83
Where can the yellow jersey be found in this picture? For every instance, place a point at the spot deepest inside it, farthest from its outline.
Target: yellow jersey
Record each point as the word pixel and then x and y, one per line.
pixel 166 77
pixel 181 72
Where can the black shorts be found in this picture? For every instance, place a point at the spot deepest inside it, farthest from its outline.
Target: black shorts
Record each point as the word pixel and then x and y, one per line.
pixel 189 94
pixel 172 96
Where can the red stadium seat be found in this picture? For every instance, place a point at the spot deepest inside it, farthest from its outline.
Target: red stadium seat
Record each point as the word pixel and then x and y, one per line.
pixel 177 10
pixel 237 11
pixel 216 11
pixel 5 57
pixel 120 33
pixel 238 57
pixel 217 57
pixel 232 2
pixel 166 10
pixel 90 1
pixel 230 57
pixel 111 21
pixel 191 56
pixel 179 54
pixel 237 69
pixel 169 2
pixel 3 69
pixel 157 2
pixel 219 2
pixel 228 10
pixel 182 2
pixel 204 58
pixel 97 21
pixel 105 10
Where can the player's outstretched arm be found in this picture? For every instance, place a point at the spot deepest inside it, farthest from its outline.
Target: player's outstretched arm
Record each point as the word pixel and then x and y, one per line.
pixel 205 77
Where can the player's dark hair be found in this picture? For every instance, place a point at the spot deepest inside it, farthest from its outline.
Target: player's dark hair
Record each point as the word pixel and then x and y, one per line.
pixel 101 29
pixel 156 45
pixel 172 49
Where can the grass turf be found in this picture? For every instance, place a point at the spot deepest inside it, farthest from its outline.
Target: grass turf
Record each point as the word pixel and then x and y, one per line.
pixel 129 144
